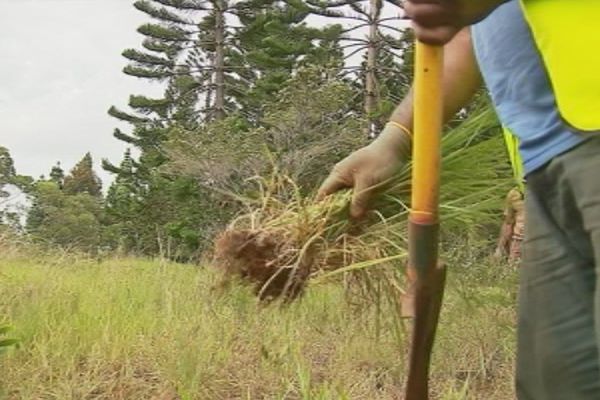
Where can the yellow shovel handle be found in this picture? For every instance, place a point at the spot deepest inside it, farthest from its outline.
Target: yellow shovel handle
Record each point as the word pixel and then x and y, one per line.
pixel 427 127
pixel 423 227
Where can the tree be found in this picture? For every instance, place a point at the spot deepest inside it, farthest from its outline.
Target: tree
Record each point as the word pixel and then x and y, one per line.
pixel 57 175
pixel 7 170
pixel 220 60
pixel 383 38
pixel 392 78
pixel 229 66
pixel 307 127
pixel 123 206
pixel 82 178
pixel 13 188
pixel 269 47
pixel 175 46
pixel 70 221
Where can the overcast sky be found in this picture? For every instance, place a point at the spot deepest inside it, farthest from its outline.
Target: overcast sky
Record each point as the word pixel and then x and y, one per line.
pixel 60 71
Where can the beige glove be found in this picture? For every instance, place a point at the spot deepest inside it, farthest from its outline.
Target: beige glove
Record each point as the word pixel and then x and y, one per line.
pixel 366 169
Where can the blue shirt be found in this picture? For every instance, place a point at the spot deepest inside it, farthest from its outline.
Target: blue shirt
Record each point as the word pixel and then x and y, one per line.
pixel 519 86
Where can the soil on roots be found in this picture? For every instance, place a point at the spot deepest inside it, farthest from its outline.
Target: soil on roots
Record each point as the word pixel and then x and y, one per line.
pixel 268 259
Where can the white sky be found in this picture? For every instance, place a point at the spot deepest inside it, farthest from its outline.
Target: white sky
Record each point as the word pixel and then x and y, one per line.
pixel 60 71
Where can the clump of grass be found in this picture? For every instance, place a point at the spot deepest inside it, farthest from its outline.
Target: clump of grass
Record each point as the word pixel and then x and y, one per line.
pixel 286 240
pixel 277 244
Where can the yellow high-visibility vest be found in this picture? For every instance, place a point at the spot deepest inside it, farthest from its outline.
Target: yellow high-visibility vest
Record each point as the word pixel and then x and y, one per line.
pixel 512 146
pixel 567 35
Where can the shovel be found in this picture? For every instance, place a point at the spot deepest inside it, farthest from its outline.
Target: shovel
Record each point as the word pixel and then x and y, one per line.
pixel 424 216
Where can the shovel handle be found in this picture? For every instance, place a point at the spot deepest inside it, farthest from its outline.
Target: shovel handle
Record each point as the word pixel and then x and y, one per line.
pixel 427 127
pixel 424 219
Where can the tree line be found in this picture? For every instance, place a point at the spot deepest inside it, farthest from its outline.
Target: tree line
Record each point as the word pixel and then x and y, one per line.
pixel 251 88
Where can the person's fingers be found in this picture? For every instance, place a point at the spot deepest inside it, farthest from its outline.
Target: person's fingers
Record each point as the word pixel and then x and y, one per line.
pixel 435 36
pixel 361 198
pixel 332 184
pixel 428 14
pixel 431 21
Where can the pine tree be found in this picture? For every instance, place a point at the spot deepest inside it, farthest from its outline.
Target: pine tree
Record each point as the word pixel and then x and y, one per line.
pixel 272 43
pixel 384 39
pixel 217 58
pixel 123 205
pixel 226 66
pixel 9 176
pixel 57 175
pixel 7 165
pixel 392 79
pixel 162 216
pixel 179 49
pixel 171 54
pixel 7 170
pixel 83 179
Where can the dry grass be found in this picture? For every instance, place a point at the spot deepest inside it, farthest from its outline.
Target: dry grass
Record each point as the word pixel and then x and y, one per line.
pixel 135 329
pixel 286 239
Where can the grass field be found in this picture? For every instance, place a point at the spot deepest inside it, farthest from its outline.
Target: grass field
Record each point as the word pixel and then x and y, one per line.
pixel 142 329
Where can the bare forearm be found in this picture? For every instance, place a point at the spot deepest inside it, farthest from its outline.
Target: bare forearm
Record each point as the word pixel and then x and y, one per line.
pixel 461 81
pixel 505 234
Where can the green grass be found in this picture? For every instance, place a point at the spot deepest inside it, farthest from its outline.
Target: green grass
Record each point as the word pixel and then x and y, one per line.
pixel 140 329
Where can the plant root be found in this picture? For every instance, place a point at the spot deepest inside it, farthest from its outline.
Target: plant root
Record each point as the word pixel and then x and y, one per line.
pixel 267 259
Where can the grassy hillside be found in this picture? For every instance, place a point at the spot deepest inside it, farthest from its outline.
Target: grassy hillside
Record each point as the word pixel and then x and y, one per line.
pixel 138 329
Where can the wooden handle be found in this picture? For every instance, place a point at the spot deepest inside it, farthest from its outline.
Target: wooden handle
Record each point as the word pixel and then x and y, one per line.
pixel 424 220
pixel 427 128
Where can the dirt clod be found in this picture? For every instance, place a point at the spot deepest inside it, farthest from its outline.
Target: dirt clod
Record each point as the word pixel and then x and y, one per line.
pixel 268 259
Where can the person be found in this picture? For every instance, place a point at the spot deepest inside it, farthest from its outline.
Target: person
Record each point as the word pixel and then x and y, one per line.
pixel 539 61
pixel 513 224
pixel 512 231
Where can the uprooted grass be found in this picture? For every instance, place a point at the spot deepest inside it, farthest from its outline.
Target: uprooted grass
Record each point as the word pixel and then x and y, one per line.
pixel 139 329
pixel 286 238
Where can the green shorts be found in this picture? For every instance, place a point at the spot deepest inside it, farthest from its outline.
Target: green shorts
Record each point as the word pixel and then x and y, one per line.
pixel 559 299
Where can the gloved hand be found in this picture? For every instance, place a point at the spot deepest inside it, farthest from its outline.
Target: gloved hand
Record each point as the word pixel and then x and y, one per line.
pixel 437 21
pixel 369 167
